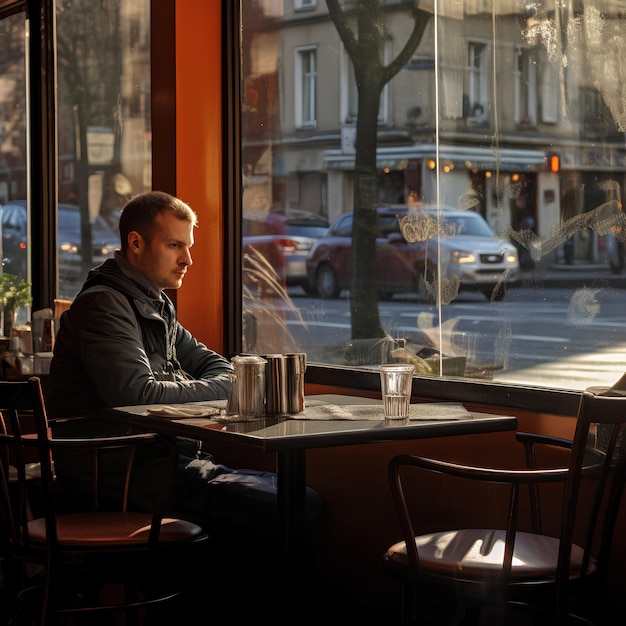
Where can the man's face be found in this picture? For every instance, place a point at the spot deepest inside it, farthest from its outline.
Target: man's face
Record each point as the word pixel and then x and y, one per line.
pixel 165 258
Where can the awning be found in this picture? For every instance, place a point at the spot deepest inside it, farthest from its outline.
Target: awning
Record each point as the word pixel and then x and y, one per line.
pixel 509 159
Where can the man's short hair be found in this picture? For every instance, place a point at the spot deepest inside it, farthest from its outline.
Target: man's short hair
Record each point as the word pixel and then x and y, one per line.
pixel 140 212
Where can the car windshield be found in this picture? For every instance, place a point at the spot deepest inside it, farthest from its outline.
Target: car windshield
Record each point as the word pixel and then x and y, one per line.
pixel 468 226
pixel 302 230
pixel 69 220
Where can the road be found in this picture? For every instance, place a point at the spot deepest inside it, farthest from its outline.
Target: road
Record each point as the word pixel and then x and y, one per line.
pixel 568 338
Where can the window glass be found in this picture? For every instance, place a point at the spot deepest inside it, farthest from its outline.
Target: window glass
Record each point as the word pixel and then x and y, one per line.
pixel 104 131
pixel 13 159
pixel 485 229
pixel 13 134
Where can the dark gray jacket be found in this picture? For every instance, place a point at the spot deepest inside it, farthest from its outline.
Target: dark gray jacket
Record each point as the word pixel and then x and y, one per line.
pixel 120 344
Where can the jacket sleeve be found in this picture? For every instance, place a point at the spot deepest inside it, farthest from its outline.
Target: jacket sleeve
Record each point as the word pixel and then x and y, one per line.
pixel 104 327
pixel 198 360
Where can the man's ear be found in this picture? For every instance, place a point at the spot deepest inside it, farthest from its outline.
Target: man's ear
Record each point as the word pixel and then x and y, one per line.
pixel 134 241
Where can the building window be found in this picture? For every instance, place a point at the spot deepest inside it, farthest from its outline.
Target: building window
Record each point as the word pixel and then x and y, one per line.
pixel 306 87
pixel 349 97
pixel 302 5
pixel 477 81
pixel 525 87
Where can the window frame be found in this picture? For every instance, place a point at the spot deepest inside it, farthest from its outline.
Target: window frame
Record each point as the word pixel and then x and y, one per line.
pixel 42 188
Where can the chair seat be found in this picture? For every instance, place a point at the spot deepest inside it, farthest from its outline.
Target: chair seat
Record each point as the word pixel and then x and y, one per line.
pixel 33 472
pixel 476 552
pixel 112 529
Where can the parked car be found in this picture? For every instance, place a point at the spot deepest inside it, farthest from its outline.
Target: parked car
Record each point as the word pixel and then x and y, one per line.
pixel 14 239
pixel 407 256
pixel 284 240
pixel 70 259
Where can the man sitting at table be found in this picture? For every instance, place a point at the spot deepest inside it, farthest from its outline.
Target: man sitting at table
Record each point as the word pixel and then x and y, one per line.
pixel 120 344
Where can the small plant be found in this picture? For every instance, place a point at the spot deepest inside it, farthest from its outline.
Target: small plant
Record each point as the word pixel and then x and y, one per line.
pixel 14 293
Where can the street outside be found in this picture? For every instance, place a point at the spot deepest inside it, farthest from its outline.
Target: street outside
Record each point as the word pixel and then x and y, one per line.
pixel 563 329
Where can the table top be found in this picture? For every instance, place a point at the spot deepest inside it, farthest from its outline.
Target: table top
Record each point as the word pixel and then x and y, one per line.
pixel 273 434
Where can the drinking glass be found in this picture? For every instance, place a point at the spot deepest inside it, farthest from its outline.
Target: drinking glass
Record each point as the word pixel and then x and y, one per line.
pixel 395 384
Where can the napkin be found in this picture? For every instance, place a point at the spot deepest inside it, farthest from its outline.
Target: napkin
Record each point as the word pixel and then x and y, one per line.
pixel 430 411
pixel 187 411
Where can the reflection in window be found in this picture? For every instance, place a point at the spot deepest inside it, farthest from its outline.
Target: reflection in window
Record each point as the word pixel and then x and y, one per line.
pixel 481 123
pixel 104 128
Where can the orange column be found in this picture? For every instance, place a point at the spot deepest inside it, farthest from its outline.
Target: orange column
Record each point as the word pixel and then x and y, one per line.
pixel 198 163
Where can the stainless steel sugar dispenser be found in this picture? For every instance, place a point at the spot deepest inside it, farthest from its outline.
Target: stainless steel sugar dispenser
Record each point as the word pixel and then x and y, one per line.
pixel 296 367
pixel 247 394
pixel 276 397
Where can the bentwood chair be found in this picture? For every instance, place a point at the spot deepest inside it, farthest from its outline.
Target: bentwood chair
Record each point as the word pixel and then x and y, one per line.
pixel 519 569
pixel 81 567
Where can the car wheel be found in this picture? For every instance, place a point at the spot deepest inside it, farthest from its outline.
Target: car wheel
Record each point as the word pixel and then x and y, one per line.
pixel 327 283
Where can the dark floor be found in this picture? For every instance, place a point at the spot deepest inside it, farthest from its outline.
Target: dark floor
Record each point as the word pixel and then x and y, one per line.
pixel 236 591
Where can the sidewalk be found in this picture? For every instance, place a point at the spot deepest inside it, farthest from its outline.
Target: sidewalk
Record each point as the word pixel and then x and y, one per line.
pixel 577 275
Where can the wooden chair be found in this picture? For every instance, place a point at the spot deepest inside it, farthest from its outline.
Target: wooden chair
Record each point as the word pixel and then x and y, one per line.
pixel 83 566
pixel 518 569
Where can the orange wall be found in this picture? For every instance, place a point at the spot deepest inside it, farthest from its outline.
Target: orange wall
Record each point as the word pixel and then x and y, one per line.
pixel 198 163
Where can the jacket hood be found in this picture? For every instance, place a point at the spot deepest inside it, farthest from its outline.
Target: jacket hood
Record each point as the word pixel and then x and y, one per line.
pixel 122 276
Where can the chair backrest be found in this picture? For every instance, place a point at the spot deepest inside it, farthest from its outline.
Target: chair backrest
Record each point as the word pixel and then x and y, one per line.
pixel 591 482
pixel 25 437
pixel 595 484
pixel 22 418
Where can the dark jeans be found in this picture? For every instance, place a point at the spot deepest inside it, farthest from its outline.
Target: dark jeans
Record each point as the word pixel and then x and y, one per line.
pixel 238 504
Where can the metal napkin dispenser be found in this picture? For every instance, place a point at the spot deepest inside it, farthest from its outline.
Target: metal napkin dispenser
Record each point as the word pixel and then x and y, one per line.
pixel 247 393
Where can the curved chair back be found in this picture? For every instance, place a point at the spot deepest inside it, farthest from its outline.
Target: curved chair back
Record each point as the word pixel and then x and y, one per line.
pixel 516 564
pixel 79 554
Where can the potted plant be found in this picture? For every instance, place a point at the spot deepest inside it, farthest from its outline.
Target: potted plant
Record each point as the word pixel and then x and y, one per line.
pixel 14 294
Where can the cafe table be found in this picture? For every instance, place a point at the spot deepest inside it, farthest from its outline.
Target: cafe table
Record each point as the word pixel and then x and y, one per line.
pixel 327 420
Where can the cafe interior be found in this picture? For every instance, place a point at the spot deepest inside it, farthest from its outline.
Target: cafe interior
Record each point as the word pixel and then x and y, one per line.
pixel 499 498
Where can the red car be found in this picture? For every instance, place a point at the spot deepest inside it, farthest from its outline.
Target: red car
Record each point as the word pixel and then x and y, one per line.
pixel 282 240
pixel 408 258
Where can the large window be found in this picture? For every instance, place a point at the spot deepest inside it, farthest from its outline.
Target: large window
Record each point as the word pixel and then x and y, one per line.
pixel 104 142
pixel 485 239
pixel 91 102
pixel 14 166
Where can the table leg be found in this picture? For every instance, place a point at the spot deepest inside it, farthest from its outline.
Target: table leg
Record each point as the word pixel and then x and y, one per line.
pixel 291 466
